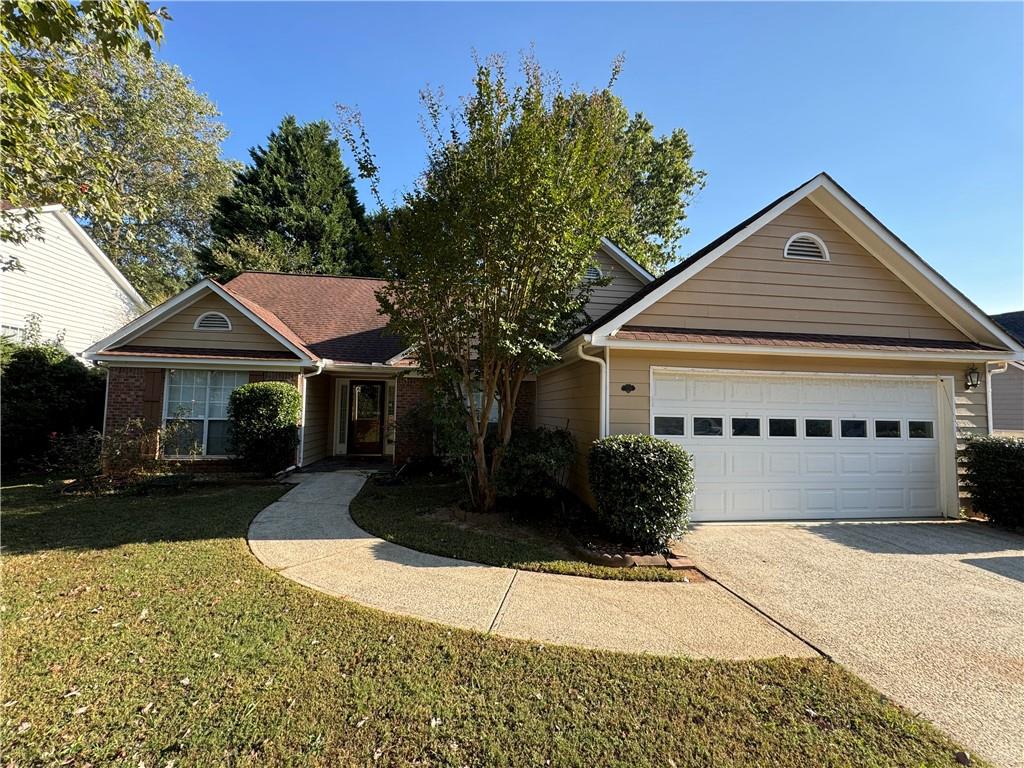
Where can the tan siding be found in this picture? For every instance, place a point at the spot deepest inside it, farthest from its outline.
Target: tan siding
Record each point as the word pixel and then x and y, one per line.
pixel 754 288
pixel 177 330
pixel 631 412
pixel 1008 400
pixel 75 297
pixel 316 424
pixel 569 397
pixel 623 285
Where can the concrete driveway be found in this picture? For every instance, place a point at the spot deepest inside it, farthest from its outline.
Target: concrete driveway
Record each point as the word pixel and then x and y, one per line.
pixel 929 613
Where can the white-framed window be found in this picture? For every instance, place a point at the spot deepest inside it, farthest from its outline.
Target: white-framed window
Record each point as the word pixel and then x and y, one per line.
pixel 745 426
pixel 817 428
pixel 212 321
pixel 921 429
pixel 670 426
pixel 707 426
pixel 888 429
pixel 806 246
pixel 478 404
pixel 853 428
pixel 782 426
pixel 196 404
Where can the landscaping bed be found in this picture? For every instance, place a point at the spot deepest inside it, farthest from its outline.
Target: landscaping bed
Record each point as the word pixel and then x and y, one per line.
pixel 429 513
pixel 141 631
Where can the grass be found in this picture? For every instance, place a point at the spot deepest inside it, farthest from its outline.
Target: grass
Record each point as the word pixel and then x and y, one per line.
pixel 405 514
pixel 141 631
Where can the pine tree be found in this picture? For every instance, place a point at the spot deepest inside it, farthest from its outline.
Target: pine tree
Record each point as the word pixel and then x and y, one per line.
pixel 293 209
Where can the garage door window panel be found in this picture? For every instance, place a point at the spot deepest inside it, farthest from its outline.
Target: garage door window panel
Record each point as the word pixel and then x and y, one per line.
pixel 781 427
pixel 888 429
pixel 745 426
pixel 853 428
pixel 670 426
pixel 921 430
pixel 818 428
pixel 707 426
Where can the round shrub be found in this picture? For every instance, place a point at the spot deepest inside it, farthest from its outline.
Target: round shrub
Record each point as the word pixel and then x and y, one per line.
pixel 264 418
pixel 642 486
pixel 994 476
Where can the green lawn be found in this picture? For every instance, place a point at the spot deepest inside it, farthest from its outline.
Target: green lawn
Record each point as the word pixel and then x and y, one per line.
pixel 141 631
pixel 403 514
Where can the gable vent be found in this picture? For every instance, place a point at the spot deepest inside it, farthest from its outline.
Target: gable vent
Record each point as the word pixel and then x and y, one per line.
pixel 804 245
pixel 592 274
pixel 212 321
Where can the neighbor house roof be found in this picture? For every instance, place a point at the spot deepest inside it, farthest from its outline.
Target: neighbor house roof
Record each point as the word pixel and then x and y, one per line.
pixel 806 340
pixel 337 318
pixel 1013 323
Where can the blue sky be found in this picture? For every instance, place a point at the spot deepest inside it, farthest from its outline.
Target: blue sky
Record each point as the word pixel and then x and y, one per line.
pixel 917 109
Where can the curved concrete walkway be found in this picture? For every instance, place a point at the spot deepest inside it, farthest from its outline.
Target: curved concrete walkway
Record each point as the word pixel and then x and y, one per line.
pixel 309 537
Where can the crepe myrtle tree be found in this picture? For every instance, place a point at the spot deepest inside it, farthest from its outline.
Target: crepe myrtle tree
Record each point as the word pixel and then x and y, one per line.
pixel 485 257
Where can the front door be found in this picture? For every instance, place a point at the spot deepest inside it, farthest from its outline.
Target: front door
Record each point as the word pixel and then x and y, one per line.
pixel 366 424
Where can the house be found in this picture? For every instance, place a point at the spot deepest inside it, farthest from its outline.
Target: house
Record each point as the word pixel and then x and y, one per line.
pixel 361 392
pixel 814 365
pixel 1006 383
pixel 66 282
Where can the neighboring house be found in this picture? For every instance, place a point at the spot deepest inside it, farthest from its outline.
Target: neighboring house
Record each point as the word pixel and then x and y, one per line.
pixel 813 364
pixel 1006 383
pixel 76 292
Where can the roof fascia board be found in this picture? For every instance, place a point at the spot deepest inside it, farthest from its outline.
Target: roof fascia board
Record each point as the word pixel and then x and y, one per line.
pixel 98 255
pixel 367 368
pixel 156 361
pixel 627 261
pixel 610 326
pixel 921 267
pixel 763 349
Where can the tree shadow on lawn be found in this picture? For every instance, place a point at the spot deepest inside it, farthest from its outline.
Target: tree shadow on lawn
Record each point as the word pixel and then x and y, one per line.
pixel 920 537
pixel 38 518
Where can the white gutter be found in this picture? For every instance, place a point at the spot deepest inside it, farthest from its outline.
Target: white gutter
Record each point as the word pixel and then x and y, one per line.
pixel 989 373
pixel 603 366
pixel 320 364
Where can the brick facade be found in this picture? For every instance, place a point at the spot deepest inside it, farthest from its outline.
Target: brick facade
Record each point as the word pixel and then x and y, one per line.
pixel 413 434
pixel 134 393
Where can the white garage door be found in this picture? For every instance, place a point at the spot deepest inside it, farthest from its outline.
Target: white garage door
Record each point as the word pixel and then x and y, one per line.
pixel 773 447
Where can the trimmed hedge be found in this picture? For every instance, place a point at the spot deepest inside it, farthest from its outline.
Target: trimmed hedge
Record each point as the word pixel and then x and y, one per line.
pixel 264 424
pixel 642 485
pixel 994 476
pixel 46 392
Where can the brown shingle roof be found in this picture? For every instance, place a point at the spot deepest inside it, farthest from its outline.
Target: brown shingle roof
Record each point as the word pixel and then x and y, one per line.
pixel 809 340
pixel 334 317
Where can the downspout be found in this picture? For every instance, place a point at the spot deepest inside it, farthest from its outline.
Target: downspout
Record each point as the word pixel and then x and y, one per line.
pixel 302 425
pixel 603 366
pixel 989 373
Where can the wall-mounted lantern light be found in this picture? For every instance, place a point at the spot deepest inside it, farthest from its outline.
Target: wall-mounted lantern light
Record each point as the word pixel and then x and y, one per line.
pixel 627 388
pixel 972 378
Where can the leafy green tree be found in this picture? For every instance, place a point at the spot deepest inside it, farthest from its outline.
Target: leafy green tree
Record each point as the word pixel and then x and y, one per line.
pixel 164 139
pixel 294 209
pixel 659 182
pixel 38 40
pixel 486 257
